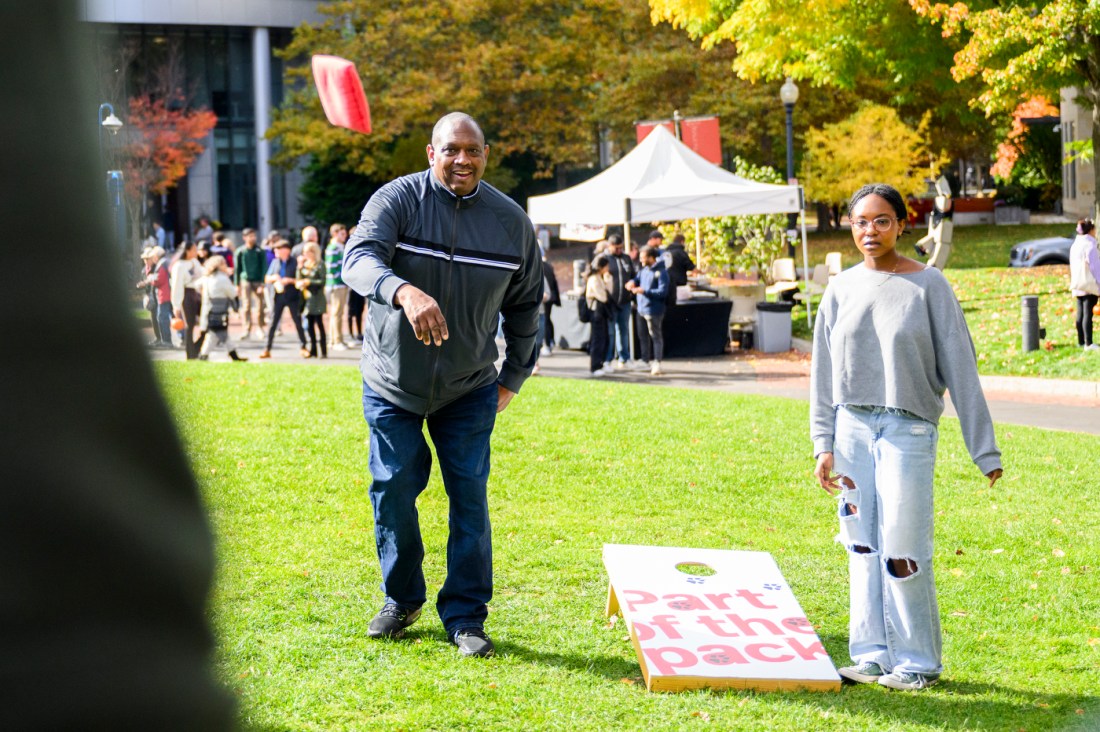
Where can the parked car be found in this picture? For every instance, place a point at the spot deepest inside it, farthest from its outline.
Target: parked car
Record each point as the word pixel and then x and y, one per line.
pixel 1037 252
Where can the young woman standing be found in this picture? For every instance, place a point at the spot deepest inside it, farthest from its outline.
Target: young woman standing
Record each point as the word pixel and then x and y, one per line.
pixel 1084 274
pixel 889 339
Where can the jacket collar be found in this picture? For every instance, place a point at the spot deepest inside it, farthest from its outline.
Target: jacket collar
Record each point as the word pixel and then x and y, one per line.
pixel 445 194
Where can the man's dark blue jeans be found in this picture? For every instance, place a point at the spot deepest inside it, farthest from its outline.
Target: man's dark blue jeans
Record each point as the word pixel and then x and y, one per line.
pixel 400 463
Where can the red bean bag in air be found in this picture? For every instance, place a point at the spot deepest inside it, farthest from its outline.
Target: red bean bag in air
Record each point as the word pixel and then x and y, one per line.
pixel 341 93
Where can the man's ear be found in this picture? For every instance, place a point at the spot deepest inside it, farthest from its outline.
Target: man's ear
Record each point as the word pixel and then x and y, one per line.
pixel 431 155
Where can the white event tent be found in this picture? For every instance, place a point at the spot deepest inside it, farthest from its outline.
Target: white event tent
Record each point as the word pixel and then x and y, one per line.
pixel 662 179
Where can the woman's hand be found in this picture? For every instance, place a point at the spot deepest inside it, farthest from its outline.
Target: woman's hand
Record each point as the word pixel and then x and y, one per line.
pixel 824 473
pixel 994 475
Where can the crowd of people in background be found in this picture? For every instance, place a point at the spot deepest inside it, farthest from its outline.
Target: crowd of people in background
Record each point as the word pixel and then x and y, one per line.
pixel 639 285
pixel 191 291
pixel 624 291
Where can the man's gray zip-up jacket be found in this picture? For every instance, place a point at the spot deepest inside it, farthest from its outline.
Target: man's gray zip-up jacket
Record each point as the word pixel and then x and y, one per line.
pixel 478 257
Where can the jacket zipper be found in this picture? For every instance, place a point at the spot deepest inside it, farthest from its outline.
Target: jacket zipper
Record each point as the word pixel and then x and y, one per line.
pixel 448 288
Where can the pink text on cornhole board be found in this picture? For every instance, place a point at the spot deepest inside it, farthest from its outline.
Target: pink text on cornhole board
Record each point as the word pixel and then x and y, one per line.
pixel 743 623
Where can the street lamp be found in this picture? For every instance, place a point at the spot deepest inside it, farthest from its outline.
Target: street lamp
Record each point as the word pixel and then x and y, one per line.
pixel 788 94
pixel 113 124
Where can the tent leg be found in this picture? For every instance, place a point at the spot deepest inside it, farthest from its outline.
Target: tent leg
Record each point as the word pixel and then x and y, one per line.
pixel 806 270
pixel 698 245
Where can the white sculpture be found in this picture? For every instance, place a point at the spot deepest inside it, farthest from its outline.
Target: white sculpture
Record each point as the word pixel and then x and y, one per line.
pixel 940 227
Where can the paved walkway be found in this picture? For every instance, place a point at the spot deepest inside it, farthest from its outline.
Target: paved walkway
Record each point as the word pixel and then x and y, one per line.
pixel 1047 403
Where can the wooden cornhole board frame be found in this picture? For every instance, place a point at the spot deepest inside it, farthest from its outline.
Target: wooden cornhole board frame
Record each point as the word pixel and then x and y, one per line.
pixel 738 628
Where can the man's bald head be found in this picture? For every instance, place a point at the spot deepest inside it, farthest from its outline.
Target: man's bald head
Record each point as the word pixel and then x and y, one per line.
pixel 447 121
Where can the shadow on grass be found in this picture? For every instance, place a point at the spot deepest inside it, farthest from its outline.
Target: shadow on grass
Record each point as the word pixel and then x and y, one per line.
pixel 964 705
pixel 609 667
pixel 950 704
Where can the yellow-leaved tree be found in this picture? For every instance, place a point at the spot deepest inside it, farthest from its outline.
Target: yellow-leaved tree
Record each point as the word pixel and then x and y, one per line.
pixel 872 146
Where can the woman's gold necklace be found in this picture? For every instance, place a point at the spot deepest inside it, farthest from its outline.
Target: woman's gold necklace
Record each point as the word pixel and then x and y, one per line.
pixel 891 273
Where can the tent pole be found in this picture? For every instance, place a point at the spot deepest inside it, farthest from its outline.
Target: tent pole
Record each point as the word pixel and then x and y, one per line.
pixel 806 263
pixel 698 245
pixel 627 242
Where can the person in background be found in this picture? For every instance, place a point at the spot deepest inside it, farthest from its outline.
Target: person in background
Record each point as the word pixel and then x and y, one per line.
pixel 336 292
pixel 309 234
pixel 282 276
pixel 204 231
pixel 311 283
pixel 621 270
pixel 597 291
pixel 889 338
pixel 677 263
pixel 1084 276
pixel 251 267
pixel 218 296
pixel 551 297
pixel 186 300
pixel 656 240
pixel 651 287
pixel 202 251
pixel 162 291
pixel 221 247
pixel 357 305
pixel 149 296
pixel 160 235
pixel 268 245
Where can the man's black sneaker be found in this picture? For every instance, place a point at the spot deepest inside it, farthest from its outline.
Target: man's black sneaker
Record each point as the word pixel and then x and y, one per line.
pixel 473 642
pixel 391 621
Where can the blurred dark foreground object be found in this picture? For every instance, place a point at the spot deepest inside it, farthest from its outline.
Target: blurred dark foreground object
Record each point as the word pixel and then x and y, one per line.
pixel 105 553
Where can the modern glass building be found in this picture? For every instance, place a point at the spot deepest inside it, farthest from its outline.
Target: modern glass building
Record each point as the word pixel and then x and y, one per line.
pixel 225 50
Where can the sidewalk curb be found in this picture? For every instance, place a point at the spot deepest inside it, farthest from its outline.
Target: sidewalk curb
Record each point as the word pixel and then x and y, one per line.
pixel 1085 391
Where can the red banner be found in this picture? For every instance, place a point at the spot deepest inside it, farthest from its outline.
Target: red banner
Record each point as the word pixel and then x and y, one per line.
pixel 698 133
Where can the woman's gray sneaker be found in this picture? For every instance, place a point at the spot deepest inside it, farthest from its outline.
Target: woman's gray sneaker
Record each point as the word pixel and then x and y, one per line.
pixel 907 681
pixel 864 673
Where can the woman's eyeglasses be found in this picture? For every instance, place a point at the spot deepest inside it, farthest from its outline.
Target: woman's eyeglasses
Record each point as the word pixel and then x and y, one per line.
pixel 881 223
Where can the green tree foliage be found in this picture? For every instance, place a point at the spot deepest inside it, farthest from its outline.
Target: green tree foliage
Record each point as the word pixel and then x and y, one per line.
pixel 879 50
pixel 872 145
pixel 1017 50
pixel 738 243
pixel 543 78
pixel 520 67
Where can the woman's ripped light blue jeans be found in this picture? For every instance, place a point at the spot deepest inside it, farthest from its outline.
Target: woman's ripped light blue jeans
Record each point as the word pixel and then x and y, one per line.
pixel 887 458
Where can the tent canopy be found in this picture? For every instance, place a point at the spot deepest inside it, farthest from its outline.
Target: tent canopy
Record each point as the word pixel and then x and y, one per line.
pixel 661 179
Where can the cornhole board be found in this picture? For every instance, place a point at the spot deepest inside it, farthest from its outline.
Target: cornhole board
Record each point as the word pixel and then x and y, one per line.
pixel 737 627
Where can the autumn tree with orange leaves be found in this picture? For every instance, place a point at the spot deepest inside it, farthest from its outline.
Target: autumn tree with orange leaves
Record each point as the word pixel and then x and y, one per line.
pixel 163 139
pixel 164 132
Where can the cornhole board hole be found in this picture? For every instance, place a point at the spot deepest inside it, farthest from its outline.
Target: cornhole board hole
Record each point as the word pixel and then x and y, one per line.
pixel 713 618
pixel 341 93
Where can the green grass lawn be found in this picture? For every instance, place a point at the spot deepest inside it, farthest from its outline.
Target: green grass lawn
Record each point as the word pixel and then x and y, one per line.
pixel 281 455
pixel 990 293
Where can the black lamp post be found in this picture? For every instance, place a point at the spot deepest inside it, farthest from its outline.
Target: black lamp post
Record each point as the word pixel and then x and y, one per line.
pixel 113 124
pixel 788 94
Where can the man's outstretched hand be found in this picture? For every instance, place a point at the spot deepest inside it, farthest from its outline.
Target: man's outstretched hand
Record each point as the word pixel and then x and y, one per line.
pixel 423 313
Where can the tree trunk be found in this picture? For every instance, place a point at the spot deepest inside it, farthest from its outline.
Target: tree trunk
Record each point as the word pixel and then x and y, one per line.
pixel 1093 94
pixel 824 216
pixel 1090 68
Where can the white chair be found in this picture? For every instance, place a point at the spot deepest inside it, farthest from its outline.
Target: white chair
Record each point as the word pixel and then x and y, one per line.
pixel 742 318
pixel 832 261
pixel 783 277
pixel 816 286
pixel 743 311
